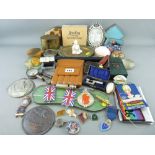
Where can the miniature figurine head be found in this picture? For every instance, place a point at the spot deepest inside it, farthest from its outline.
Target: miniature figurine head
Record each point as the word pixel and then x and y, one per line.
pixel 75 42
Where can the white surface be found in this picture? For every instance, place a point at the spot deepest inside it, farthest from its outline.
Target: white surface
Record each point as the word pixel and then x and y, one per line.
pixel 17 37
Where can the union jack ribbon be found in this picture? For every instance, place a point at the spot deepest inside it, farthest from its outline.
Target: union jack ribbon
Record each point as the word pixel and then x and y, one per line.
pixel 69 97
pixel 49 94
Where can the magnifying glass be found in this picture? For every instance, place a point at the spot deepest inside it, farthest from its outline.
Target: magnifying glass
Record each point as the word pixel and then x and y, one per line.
pixel 34 74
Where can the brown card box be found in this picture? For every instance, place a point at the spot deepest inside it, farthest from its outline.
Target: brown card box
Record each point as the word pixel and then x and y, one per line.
pixel 61 77
pixel 74 32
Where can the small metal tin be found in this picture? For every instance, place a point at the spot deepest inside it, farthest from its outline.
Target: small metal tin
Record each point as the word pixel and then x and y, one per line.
pixel 50 42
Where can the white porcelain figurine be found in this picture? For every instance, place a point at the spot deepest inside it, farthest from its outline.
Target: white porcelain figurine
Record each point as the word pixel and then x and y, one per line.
pixel 76 48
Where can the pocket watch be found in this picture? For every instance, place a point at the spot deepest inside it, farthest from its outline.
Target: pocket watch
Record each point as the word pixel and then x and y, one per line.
pixel 31 73
pixel 34 73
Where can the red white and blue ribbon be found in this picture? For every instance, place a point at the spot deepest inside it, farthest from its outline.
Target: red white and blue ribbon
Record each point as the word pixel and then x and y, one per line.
pixel 49 94
pixel 69 97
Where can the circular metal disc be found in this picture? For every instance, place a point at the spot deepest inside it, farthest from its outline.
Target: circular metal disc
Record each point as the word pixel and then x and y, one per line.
pixel 21 87
pixel 38 120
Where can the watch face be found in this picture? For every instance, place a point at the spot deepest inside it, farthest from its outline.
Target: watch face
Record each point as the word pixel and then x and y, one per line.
pixel 26 101
pixel 32 72
pixel 96 35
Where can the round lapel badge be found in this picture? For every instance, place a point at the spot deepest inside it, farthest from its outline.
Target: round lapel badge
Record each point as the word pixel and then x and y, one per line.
pixel 73 127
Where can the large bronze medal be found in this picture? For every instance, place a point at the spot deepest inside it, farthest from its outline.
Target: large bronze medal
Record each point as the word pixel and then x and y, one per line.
pixel 38 120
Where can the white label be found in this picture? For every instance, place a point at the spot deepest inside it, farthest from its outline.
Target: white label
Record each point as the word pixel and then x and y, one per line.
pixel 69 70
pixel 47 59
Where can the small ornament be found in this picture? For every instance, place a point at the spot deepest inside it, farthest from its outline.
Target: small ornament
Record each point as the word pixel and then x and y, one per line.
pixel 60 123
pixel 49 94
pixel 128 63
pixel 104 102
pixel 112 113
pixel 61 112
pixel 35 61
pixel 28 64
pixel 71 112
pixel 69 97
pixel 114 47
pixel 102 51
pixel 24 104
pixel 110 88
pixel 34 52
pixel 105 126
pixel 73 127
pixel 85 99
pixel 94 117
pixel 76 48
pixel 120 79
pixel 118 54
pixel 83 117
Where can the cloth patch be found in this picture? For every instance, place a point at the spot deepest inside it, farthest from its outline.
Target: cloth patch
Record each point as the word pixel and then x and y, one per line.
pixel 69 97
pixel 49 94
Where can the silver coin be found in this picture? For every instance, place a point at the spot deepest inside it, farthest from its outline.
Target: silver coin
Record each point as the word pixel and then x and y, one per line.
pixel 38 120
pixel 21 87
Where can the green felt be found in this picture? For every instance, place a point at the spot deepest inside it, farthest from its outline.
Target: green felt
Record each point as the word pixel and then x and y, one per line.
pixel 117 67
pixel 37 96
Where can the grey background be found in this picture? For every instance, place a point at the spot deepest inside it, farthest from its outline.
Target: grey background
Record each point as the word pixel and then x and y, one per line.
pixel 16 36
